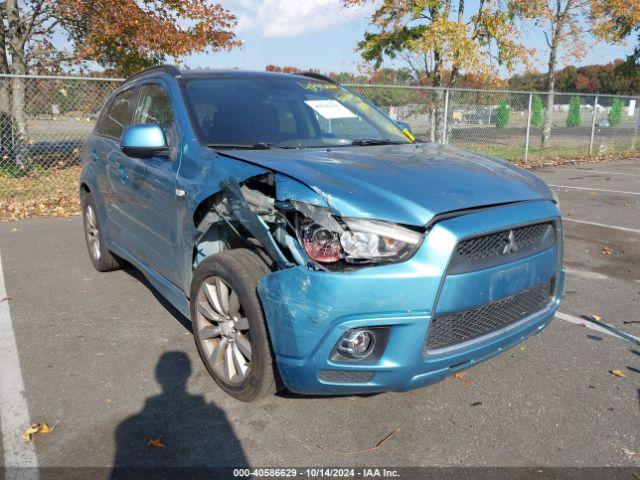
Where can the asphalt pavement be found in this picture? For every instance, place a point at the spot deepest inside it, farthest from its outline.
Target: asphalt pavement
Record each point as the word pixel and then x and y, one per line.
pixel 108 363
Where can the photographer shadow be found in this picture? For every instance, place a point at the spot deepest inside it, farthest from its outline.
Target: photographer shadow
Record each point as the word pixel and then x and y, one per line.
pixel 176 434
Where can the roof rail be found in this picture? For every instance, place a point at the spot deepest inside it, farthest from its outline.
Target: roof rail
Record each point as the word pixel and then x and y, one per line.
pixel 318 76
pixel 170 69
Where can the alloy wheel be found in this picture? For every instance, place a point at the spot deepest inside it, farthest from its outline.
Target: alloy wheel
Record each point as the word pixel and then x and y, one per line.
pixel 91 230
pixel 223 331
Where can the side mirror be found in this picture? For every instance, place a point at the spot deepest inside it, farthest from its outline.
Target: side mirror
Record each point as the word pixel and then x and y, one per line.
pixel 144 141
pixel 404 126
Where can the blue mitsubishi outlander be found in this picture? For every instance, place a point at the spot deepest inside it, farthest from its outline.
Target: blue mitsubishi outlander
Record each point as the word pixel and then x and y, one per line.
pixel 312 241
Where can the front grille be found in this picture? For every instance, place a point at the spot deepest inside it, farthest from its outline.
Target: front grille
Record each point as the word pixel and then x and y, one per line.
pixel 504 246
pixel 453 328
pixel 345 376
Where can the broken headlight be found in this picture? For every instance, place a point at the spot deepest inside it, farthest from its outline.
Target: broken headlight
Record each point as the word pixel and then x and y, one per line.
pixel 328 240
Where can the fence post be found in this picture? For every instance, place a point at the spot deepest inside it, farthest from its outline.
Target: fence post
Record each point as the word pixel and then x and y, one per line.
pixel 445 117
pixel 526 140
pixel 593 124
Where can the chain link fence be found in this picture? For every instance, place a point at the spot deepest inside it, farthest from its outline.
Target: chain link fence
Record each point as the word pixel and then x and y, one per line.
pixel 43 123
pixel 45 120
pixel 514 125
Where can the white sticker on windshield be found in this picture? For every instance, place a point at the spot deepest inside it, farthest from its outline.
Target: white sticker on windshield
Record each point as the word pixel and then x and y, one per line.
pixel 330 109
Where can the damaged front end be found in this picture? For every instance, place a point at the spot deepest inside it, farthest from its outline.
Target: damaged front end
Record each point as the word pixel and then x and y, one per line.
pixel 350 300
pixel 294 227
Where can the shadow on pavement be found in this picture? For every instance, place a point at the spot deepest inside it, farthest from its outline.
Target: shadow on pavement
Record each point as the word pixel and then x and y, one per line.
pixel 177 434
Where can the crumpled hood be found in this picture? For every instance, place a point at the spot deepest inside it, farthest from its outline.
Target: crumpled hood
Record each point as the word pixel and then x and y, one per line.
pixel 402 183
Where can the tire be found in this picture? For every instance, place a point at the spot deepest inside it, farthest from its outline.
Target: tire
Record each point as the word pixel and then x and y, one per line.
pixel 103 260
pixel 247 373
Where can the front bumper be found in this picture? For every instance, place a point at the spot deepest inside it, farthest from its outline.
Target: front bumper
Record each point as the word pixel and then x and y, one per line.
pixel 308 311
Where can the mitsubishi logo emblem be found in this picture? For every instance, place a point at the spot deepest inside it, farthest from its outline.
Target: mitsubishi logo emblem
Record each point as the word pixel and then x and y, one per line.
pixel 510 246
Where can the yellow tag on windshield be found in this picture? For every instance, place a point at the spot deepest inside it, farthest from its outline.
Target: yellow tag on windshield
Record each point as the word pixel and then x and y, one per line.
pixel 409 135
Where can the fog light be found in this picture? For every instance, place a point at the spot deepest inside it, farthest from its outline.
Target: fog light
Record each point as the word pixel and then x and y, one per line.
pixel 357 343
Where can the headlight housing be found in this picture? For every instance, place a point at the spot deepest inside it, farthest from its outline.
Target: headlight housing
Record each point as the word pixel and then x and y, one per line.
pixel 330 240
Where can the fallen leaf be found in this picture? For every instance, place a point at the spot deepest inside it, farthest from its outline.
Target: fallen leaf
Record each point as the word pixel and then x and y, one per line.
pixel 155 442
pixel 522 348
pixel 617 373
pixel 597 318
pixel 46 428
pixel 476 404
pixel 36 428
pixel 5 299
pixel 459 375
pixel 468 382
pixel 627 205
pixel 28 433
pixel 630 454
pixel 14 230
pixel 606 250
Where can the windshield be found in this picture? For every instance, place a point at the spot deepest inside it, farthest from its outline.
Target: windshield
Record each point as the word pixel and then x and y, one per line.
pixel 264 112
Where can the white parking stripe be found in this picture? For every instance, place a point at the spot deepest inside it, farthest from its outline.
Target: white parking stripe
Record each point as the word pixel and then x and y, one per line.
pixel 604 225
pixel 595 189
pixel 598 327
pixel 14 412
pixel 600 171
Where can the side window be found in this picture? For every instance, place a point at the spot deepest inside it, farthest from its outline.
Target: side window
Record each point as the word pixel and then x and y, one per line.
pixel 117 117
pixel 154 107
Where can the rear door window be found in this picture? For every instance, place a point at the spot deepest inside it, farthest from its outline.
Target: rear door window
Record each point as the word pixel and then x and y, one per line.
pixel 117 116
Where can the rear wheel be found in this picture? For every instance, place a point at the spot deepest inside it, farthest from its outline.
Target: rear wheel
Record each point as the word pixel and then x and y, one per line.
pixel 228 324
pixel 103 260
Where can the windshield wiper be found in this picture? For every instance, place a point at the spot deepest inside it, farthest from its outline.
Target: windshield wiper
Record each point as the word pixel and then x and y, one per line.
pixel 241 146
pixel 371 141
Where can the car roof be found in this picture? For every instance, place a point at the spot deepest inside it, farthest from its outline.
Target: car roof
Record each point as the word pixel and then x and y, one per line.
pixel 214 73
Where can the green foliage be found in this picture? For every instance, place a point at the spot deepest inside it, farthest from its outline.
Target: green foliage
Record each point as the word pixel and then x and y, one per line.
pixel 573 119
pixel 615 114
pixel 537 115
pixel 502 114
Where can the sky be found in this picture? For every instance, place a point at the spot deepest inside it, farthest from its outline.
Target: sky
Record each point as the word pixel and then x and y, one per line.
pixel 323 34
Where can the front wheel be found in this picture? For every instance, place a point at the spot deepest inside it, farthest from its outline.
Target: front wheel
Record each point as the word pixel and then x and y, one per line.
pixel 228 324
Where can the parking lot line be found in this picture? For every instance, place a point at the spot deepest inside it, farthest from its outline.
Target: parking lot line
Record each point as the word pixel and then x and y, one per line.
pixel 598 327
pixel 601 171
pixel 595 189
pixel 604 225
pixel 14 412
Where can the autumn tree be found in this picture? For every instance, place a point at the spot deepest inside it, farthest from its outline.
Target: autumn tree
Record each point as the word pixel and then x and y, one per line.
pixel 440 35
pixel 26 35
pixel 615 78
pixel 566 24
pixel 441 39
pixel 127 35
pixel 122 35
